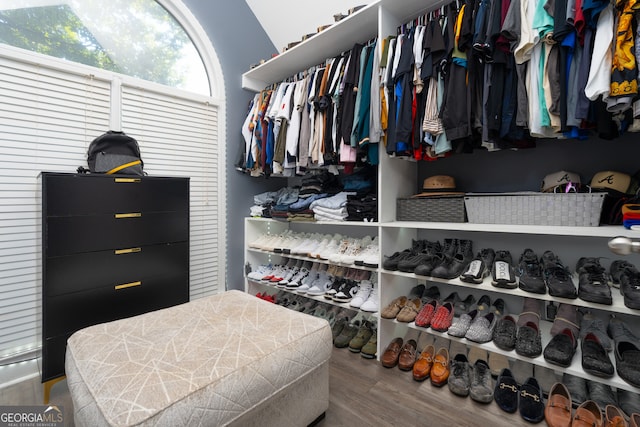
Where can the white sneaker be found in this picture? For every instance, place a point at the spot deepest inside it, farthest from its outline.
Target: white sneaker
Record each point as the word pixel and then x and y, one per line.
pixel 330 248
pixel 260 272
pixel 371 304
pixel 354 251
pixel 370 256
pixel 321 285
pixel 342 248
pixel 362 295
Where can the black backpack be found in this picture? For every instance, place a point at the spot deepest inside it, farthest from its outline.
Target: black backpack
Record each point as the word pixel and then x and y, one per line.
pixel 115 152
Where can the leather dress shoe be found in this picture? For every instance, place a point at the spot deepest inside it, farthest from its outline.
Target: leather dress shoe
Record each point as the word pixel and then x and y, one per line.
pixel 595 360
pixel 506 391
pixel 440 368
pixel 528 342
pixel 557 413
pixel 410 310
pixel 595 325
pixel 391 354
pixel 601 393
pixel 628 401
pixel 561 348
pixel 588 414
pixel 423 319
pixel 628 362
pixel 613 417
pixel 530 403
pixel 407 355
pixel 422 367
pixel 481 330
pixel 577 387
pixel 442 318
pixel 393 308
pixel 505 332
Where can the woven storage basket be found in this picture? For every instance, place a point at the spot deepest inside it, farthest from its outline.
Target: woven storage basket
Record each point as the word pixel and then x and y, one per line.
pixel 572 209
pixel 431 209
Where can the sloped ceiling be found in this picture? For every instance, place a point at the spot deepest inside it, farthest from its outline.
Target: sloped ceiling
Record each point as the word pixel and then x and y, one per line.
pixel 286 21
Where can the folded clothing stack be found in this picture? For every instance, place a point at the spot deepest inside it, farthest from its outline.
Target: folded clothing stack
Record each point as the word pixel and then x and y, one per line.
pixel 631 216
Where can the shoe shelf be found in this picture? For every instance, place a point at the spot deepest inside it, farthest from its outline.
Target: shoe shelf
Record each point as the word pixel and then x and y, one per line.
pixel 575 368
pixel 319 298
pixel 616 307
pixel 602 231
pixel 286 224
pixel 316 260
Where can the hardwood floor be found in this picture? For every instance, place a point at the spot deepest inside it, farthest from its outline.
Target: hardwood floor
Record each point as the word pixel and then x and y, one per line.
pixel 362 393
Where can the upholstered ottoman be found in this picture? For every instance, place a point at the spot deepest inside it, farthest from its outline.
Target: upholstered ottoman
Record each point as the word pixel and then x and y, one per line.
pixel 227 359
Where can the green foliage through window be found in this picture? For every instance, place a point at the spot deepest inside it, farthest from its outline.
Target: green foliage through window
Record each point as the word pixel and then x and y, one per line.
pixel 138 38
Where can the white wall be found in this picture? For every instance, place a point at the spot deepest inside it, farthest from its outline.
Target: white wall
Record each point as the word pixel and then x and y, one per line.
pixel 286 21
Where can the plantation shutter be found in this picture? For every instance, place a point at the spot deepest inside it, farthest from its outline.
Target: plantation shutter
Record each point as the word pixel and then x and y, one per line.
pixel 178 137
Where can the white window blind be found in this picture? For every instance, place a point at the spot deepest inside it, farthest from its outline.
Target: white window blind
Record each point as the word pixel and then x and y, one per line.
pixel 178 137
pixel 48 117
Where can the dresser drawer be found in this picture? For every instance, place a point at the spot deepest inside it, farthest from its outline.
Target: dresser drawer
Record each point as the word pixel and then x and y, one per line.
pixel 80 309
pixel 70 194
pixel 70 235
pixel 83 271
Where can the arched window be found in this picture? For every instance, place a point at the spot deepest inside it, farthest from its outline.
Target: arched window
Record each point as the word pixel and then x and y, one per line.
pixel 73 69
pixel 138 38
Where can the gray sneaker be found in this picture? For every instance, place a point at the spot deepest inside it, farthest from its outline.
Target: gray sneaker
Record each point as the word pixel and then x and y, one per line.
pixel 481 389
pixel 459 377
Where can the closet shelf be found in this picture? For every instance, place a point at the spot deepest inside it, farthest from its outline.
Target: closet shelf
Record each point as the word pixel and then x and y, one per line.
pixel 341 36
pixel 315 260
pixel 616 307
pixel 602 231
pixel 545 329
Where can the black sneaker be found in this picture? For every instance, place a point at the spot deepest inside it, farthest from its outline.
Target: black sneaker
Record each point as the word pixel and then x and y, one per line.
pixel 593 281
pixel 391 262
pixel 409 264
pixel 455 265
pixel 618 267
pixel 557 277
pixel 479 267
pixel 441 253
pixel 503 273
pixel 338 283
pixel 346 292
pixel 530 273
pixel 630 288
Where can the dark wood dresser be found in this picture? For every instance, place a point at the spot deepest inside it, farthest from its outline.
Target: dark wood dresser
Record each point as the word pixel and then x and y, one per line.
pixel 112 247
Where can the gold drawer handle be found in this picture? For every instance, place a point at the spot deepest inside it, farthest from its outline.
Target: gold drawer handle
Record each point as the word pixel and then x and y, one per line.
pixel 127 179
pixel 127 251
pixel 128 215
pixel 128 285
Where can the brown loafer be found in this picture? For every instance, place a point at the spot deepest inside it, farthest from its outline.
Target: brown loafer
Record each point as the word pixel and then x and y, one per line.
pixel 394 307
pixel 409 311
pixel 558 410
pixel 391 354
pixel 440 368
pixel 588 414
pixel 614 417
pixel 422 367
pixel 634 421
pixel 407 355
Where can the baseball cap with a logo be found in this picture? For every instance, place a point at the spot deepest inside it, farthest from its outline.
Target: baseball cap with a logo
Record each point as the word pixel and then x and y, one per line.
pixel 553 180
pixel 617 182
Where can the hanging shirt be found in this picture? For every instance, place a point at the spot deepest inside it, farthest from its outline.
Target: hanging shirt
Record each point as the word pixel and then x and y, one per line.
pixel 598 83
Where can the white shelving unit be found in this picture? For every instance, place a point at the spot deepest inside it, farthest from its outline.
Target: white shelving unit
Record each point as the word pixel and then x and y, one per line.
pixel 398 178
